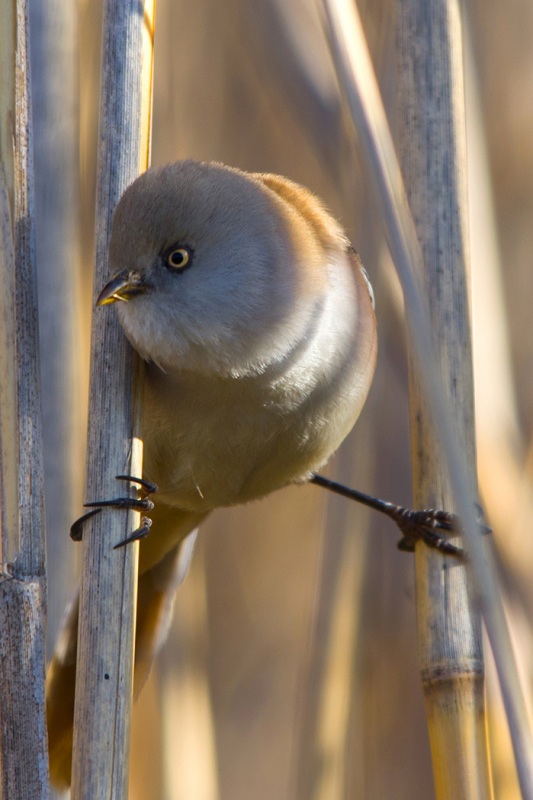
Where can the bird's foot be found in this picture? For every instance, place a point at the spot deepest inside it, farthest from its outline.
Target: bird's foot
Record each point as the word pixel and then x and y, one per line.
pixel 140 503
pixel 428 525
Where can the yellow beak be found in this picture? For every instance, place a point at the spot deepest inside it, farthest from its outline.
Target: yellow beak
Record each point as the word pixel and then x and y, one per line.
pixel 122 286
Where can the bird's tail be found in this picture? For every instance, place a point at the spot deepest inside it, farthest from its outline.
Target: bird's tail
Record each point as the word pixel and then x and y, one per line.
pixel 155 600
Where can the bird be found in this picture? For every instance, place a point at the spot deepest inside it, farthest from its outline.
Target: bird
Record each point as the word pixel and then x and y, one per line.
pixel 255 317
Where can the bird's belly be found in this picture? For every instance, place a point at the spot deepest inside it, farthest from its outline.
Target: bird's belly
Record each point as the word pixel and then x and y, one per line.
pixel 210 449
pixel 223 459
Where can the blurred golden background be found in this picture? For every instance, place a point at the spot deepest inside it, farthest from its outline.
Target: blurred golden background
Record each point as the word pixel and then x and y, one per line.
pixel 291 667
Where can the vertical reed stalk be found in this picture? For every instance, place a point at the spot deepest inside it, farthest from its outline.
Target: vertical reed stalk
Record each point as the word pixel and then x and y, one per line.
pixel 55 84
pixel 433 155
pixel 23 741
pixel 357 78
pixel 104 675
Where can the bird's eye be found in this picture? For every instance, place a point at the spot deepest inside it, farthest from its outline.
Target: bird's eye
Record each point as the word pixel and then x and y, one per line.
pixel 178 257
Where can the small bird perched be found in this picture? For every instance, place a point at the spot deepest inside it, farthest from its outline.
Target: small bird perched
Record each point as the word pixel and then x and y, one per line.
pixel 256 320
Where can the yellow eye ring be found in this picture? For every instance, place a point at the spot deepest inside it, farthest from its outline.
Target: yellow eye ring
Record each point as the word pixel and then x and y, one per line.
pixel 178 258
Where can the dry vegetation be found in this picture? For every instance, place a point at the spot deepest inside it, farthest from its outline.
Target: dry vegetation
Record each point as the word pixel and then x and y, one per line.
pixel 254 661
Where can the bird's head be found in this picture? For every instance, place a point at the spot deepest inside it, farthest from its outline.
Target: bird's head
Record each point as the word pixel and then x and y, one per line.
pixel 207 272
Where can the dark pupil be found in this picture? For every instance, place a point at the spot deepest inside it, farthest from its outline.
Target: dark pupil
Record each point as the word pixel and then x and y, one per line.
pixel 177 258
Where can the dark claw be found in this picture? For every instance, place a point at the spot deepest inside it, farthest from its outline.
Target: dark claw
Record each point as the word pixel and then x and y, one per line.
pixel 123 502
pixel 140 503
pixel 148 486
pixel 76 533
pixel 436 543
pixel 140 533
pixel 406 545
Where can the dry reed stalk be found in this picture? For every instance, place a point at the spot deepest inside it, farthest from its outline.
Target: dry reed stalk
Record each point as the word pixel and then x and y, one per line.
pixel 108 588
pixel 433 154
pixel 358 81
pixel 23 741
pixel 63 338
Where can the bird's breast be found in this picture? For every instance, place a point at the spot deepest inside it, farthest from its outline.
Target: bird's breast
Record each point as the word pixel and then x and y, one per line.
pixel 214 441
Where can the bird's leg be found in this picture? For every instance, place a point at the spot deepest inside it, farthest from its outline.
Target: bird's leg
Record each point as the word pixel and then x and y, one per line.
pixel 427 525
pixel 140 503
